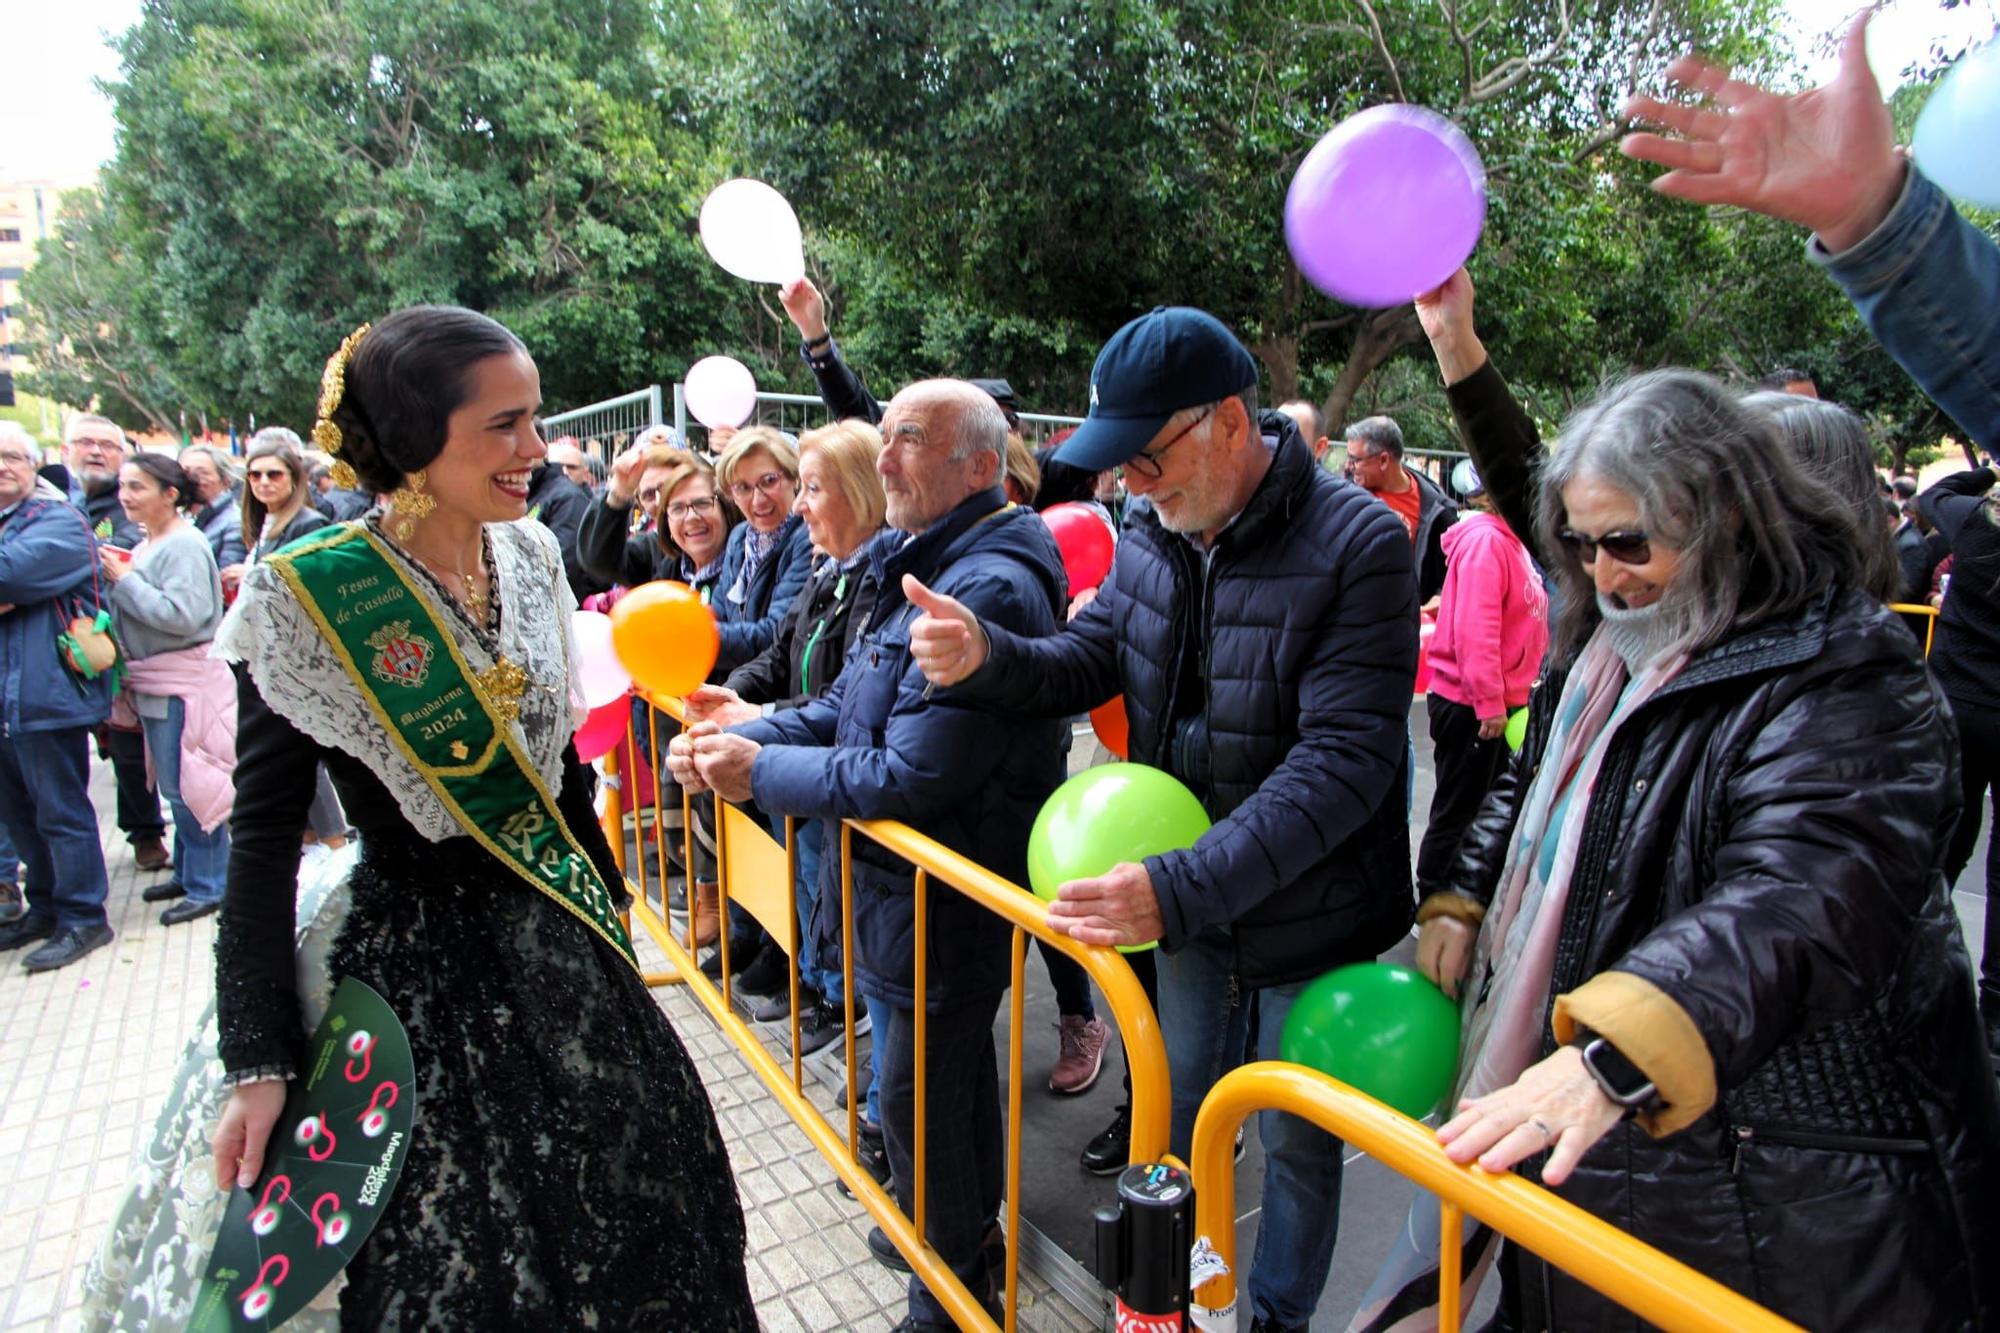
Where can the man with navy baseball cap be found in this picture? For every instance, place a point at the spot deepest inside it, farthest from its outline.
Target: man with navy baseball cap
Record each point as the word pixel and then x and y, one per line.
pixel 1260 620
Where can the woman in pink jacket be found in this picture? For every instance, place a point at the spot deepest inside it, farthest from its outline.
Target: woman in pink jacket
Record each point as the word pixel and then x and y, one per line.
pixel 1492 629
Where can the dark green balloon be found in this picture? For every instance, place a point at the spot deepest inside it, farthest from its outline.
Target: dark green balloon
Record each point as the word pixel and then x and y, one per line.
pixel 1382 1028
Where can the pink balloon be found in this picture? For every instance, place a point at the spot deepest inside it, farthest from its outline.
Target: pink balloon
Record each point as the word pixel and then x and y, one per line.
pixel 720 391
pixel 603 729
pixel 1085 541
pixel 1386 206
pixel 600 675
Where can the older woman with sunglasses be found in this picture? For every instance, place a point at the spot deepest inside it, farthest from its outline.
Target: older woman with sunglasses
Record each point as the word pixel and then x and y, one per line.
pixel 1713 984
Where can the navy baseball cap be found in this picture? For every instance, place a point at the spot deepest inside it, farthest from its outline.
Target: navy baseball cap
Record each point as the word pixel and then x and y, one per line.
pixel 1173 357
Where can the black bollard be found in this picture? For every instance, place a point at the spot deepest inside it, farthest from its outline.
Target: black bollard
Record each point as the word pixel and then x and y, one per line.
pixel 1142 1248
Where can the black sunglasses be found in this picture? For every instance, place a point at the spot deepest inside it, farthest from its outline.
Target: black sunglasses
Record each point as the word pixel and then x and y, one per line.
pixel 1627 548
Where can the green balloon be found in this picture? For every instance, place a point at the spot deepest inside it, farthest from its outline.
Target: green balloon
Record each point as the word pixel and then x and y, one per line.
pixel 1105 815
pixel 1517 729
pixel 1380 1027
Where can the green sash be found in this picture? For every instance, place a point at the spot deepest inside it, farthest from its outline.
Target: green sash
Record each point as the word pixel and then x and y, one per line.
pixel 448 721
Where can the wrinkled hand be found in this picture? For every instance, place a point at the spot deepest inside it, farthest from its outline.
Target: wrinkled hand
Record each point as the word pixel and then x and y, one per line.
pixel 724 763
pixel 1553 1104
pixel 1078 602
pixel 946 640
pixel 245 1131
pixel 680 756
pixel 1117 907
pixel 1824 159
pixel 806 306
pixel 1492 728
pixel 623 486
pixel 1444 952
pixel 721 705
pixel 115 563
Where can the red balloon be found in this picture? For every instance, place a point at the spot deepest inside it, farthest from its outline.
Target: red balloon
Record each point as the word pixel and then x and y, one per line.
pixel 1108 721
pixel 1086 542
pixel 603 729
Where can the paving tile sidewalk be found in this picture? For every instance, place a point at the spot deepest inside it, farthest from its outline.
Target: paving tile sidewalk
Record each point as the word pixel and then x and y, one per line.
pixel 87 1052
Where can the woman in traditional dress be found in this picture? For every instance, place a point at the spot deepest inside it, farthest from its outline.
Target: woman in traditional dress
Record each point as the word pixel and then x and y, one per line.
pixel 565 1168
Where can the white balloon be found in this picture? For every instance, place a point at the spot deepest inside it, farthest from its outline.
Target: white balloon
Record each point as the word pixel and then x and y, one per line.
pixel 600 674
pixel 720 391
pixel 752 232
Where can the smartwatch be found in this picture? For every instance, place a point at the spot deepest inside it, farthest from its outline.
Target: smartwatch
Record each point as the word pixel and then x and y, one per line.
pixel 1621 1080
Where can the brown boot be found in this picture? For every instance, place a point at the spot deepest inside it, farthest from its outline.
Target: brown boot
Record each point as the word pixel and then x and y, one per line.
pixel 151 853
pixel 707 914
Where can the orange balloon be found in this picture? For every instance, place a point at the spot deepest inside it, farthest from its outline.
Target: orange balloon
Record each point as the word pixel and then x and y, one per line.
pixel 1108 721
pixel 665 635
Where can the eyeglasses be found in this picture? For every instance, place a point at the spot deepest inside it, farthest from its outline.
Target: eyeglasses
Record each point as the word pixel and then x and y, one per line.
pixel 82 442
pixel 1147 461
pixel 1627 548
pixel 680 509
pixel 768 484
pixel 268 474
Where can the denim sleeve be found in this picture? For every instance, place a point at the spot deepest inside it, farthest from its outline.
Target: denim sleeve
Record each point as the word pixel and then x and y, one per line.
pixel 1927 284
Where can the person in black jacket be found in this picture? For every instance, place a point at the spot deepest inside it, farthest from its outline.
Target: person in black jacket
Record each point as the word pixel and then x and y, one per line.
pixel 1716 991
pixel 687 521
pixel 1261 622
pixel 559 504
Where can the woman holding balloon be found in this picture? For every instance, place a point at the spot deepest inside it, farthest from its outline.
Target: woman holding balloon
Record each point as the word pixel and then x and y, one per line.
pixel 485 904
pixel 1714 868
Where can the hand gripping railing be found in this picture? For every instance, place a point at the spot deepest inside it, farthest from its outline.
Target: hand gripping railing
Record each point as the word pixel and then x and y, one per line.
pixel 1660 1290
pixel 740 842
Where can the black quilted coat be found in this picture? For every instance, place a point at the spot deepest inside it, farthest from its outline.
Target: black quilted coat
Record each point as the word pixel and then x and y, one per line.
pixel 1308 634
pixel 1763 845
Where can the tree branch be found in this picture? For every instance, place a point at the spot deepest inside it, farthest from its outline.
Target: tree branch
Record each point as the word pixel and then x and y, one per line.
pixel 1509 74
pixel 1382 49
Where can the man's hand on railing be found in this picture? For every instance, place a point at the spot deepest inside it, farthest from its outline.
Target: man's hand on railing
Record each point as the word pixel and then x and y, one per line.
pixel 946 640
pixel 1117 907
pixel 721 705
pixel 724 761
pixel 680 756
pixel 1555 1105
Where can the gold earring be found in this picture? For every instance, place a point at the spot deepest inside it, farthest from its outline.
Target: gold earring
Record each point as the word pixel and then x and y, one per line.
pixel 410 503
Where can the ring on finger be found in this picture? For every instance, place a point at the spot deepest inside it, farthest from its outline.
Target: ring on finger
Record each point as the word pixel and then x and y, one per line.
pixel 1538 1123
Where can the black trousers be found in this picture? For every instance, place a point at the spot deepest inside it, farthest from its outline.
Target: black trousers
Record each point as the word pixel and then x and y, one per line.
pixel 964 1142
pixel 1466 769
pixel 1979 777
pixel 138 802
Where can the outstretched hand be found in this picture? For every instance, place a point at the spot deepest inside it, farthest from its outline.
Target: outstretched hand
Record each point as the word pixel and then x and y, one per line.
pixel 946 640
pixel 1825 158
pixel 623 485
pixel 806 306
pixel 1446 314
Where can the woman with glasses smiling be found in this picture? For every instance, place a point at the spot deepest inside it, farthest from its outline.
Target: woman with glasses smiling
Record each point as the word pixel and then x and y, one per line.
pixel 1714 986
pixel 685 528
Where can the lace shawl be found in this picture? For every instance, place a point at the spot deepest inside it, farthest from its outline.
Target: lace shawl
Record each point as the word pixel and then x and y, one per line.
pixel 300 678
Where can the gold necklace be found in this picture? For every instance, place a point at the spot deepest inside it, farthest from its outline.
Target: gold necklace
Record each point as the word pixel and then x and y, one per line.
pixel 474 599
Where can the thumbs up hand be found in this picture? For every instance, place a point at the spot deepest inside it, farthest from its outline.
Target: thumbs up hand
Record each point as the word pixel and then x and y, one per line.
pixel 946 640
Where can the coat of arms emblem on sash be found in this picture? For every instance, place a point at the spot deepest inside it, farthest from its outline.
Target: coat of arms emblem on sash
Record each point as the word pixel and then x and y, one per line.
pixel 400 656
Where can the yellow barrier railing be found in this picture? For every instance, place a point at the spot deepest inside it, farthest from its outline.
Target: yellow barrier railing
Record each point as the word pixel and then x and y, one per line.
pixel 1660 1290
pixel 746 853
pixel 1930 615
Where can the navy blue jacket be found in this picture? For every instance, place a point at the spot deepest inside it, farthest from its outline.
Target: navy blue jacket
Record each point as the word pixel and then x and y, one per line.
pixel 46 558
pixel 107 516
pixel 1308 625
pixel 878 745
pixel 750 628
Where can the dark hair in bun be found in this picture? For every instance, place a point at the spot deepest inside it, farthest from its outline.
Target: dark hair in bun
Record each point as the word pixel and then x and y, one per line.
pixel 403 383
pixel 169 474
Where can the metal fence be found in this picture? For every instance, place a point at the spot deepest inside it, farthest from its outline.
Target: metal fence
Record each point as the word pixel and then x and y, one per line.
pixel 607 427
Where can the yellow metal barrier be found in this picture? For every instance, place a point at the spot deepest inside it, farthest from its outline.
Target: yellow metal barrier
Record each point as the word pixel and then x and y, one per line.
pixel 1660 1290
pixel 1930 615
pixel 746 854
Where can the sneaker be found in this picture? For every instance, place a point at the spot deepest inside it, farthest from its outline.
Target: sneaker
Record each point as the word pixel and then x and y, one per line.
pixel 13 905
pixel 711 966
pixel 769 972
pixel 873 1155
pixel 160 893
pixel 885 1251
pixel 1082 1055
pixel 150 852
pixel 1107 1154
pixel 819 1026
pixel 66 947
pixel 779 1007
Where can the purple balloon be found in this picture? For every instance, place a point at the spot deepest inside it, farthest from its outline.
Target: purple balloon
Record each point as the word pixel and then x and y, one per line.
pixel 1386 206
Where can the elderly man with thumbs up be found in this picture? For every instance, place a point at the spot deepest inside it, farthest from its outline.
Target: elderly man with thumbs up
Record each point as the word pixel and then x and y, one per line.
pixel 883 744
pixel 1261 622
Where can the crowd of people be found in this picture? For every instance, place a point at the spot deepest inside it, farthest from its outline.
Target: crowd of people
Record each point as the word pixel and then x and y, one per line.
pixel 1696 908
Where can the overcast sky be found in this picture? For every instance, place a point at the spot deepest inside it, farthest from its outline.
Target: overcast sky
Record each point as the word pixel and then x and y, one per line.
pixel 54 122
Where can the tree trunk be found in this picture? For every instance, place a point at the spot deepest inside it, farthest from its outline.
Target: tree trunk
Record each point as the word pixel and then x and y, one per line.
pixel 1380 337
pixel 1280 355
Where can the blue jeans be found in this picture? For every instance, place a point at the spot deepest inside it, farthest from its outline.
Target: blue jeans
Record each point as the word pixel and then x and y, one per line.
pixel 1204 1016
pixel 201 860
pixel 10 860
pixel 823 975
pixel 45 804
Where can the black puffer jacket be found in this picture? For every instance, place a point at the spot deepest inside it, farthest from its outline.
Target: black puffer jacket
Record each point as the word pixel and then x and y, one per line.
pixel 1309 639
pixel 1759 921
